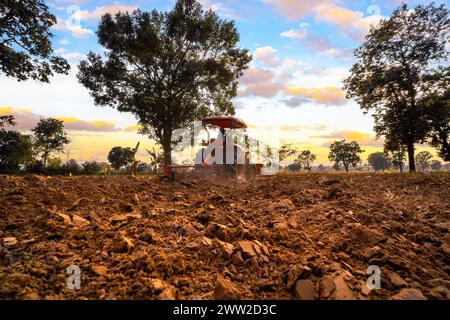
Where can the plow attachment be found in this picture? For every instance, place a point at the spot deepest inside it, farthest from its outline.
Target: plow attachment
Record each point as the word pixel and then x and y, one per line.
pixel 212 172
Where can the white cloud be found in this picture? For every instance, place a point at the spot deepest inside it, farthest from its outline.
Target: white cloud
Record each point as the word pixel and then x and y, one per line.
pixel 267 56
pixel 355 24
pixel 295 34
pixel 75 30
pixel 69 55
pixel 220 8
pixel 294 9
pixel 100 11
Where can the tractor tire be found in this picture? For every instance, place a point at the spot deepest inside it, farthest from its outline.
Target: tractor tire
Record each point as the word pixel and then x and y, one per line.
pixel 250 172
pixel 229 172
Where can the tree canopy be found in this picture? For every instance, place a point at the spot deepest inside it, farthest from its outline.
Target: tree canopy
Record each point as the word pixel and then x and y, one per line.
pixel 168 69
pixel 345 154
pixel 25 48
pixel 403 59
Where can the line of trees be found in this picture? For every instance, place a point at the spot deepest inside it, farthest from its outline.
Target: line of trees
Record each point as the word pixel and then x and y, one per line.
pixel 303 158
pixel 36 152
pixel 31 152
pixel 346 155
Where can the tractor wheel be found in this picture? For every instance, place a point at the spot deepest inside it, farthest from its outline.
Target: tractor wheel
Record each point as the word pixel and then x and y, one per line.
pixel 170 178
pixel 229 172
pixel 250 172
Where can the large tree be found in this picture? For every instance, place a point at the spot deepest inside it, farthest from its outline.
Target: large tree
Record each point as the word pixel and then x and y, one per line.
pixel 50 137
pixel 437 109
pixel 345 154
pixel 25 48
pixel 403 59
pixel 168 69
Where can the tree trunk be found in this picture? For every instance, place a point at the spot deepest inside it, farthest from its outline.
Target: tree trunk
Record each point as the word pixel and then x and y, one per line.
pixel 346 168
pixel 167 146
pixel 167 155
pixel 412 164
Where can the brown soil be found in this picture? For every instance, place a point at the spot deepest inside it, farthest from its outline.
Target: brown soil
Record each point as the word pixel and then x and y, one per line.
pixel 283 237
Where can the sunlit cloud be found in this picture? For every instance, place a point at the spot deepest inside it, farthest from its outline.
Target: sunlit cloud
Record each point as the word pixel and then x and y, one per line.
pixel 26 120
pixel 364 139
pixel 352 23
pixel 326 95
pixel 263 89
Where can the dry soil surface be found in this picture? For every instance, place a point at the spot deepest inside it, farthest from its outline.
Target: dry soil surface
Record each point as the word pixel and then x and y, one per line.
pixel 308 236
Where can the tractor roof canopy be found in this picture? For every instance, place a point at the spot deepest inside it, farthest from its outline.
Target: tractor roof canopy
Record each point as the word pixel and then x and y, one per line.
pixel 225 122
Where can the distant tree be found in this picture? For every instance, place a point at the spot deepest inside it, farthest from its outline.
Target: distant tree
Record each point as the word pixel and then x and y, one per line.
pixel 286 150
pixel 436 165
pixel 345 153
pixel 119 157
pixel 168 69
pixel 294 167
pixel 321 168
pixel 305 159
pixel 144 168
pixel 92 167
pixel 398 160
pixel 379 161
pixel 438 115
pixel 423 160
pixel 25 47
pixel 72 167
pixel 336 166
pixel 49 137
pixel 446 167
pixel 397 152
pixel 16 149
pixel 402 60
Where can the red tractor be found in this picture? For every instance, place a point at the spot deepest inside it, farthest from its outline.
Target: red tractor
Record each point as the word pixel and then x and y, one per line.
pixel 221 158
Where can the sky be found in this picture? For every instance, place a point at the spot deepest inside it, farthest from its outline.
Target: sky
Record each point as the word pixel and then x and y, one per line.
pixel 292 91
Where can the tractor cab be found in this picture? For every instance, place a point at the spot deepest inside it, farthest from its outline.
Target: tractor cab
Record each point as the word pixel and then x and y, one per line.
pixel 220 157
pixel 223 143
